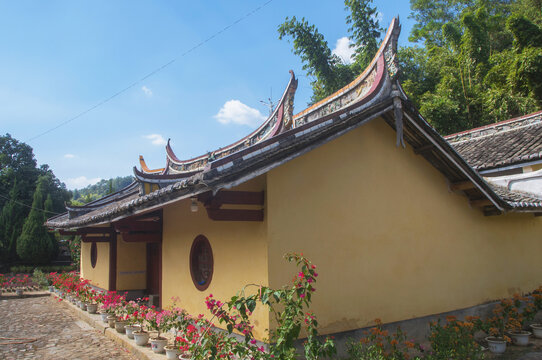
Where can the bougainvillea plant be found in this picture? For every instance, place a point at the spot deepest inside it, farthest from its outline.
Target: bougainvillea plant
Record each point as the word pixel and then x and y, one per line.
pixel 289 306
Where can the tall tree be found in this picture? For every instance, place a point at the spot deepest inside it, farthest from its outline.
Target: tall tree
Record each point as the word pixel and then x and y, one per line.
pixel 35 244
pixel 11 223
pixel 365 31
pixel 473 69
pixel 330 73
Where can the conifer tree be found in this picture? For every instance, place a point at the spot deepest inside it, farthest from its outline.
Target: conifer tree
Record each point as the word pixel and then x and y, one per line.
pixel 11 222
pixel 35 244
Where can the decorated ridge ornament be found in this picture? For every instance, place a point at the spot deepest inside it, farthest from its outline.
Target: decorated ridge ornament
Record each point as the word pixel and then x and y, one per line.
pixel 201 262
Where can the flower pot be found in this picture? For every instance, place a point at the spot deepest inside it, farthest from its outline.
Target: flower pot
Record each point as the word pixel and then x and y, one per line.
pixel 158 344
pixel 172 352
pixel 111 320
pixel 537 330
pixel 520 338
pixel 496 345
pixel 92 308
pixel 130 329
pixel 19 292
pixel 119 326
pixel 186 356
pixel 141 338
pixel 104 316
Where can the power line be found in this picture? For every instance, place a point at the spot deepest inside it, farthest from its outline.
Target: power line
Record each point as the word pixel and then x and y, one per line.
pixel 106 100
pixel 28 206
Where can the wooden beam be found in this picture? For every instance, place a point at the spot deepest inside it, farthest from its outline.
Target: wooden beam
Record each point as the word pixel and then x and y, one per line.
pixel 142 237
pixel 234 214
pixel 423 149
pixel 241 197
pixel 480 202
pixel 133 225
pixel 113 262
pixel 90 239
pixel 232 198
pixel 463 185
pixel 86 231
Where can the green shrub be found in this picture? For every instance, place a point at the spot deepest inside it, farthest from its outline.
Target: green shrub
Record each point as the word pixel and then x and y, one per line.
pixel 40 279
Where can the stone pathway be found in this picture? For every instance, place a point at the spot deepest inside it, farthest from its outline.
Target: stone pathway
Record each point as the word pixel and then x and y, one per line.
pixel 59 334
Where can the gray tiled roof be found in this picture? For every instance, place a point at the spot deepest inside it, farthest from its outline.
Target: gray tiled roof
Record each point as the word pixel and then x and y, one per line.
pixel 502 144
pixel 517 199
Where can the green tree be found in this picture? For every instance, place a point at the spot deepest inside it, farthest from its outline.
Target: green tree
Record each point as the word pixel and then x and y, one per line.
pixel 365 31
pixel 476 67
pixel 11 223
pixel 35 244
pixel 330 73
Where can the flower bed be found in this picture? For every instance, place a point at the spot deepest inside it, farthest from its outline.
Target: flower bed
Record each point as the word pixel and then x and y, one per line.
pixel 197 336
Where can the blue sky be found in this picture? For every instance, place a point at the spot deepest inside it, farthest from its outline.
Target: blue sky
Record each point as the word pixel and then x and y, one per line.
pixel 60 58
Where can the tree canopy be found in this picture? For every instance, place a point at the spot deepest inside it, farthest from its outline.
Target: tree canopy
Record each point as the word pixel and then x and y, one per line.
pixel 474 62
pixel 19 179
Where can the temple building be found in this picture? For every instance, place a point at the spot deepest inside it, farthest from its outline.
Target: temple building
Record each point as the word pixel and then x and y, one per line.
pixel 399 220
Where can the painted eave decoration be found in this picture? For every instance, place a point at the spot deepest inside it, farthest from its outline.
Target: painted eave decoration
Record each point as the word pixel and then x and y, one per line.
pixel 285 136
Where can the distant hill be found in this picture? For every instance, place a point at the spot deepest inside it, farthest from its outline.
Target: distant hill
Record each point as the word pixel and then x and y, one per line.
pixel 100 189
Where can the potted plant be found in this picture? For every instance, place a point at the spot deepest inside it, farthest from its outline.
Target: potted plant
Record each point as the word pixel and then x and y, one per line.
pixel 158 321
pixel 522 309
pixel 132 319
pixel 495 326
pixel 537 302
pixel 178 321
pixel 141 337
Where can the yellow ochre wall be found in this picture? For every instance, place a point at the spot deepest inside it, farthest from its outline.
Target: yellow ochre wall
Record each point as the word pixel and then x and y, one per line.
pixel 98 276
pixel 388 238
pixel 131 265
pixel 239 253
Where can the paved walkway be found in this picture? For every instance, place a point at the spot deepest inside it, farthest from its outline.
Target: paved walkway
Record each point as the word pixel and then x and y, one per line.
pixel 59 334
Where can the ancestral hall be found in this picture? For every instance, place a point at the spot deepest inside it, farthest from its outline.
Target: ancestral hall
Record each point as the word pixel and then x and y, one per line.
pixel 399 224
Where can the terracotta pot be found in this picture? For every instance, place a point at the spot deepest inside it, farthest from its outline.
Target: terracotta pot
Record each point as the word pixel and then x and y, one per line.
pixel 141 338
pixel 537 330
pixel 520 338
pixel 496 345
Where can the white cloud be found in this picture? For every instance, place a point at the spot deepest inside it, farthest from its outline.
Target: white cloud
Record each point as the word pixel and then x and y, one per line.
pixel 147 91
pixel 80 182
pixel 69 156
pixel 156 139
pixel 236 112
pixel 343 50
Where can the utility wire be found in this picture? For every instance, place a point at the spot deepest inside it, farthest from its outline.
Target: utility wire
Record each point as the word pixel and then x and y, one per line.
pixel 28 206
pixel 106 100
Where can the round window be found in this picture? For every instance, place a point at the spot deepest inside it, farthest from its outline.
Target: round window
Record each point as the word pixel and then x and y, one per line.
pixel 93 254
pixel 201 262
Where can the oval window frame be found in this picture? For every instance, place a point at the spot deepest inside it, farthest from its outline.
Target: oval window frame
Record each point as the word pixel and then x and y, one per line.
pixel 93 254
pixel 199 241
